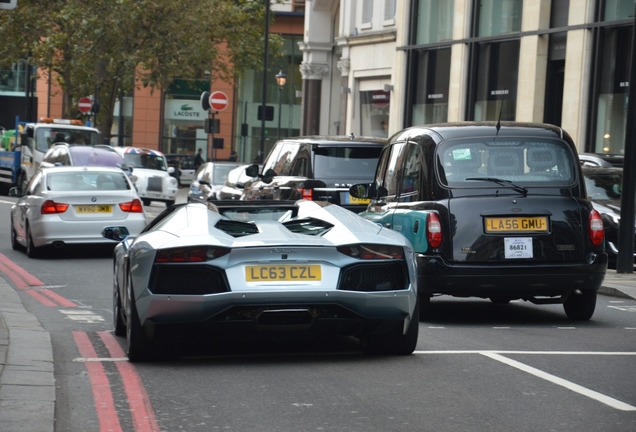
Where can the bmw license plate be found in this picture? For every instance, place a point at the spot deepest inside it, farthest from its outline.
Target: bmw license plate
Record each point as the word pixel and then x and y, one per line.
pixel 524 224
pixel 93 209
pixel 277 273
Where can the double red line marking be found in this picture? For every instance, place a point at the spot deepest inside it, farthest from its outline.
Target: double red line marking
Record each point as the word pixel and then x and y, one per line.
pixel 143 416
pixel 31 285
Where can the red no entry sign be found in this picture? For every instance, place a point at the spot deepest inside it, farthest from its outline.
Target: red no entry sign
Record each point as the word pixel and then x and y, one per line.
pixel 218 101
pixel 85 105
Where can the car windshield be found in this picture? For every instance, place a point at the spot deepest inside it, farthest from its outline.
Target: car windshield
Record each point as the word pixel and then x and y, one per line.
pixel 86 181
pixel 345 162
pixel 145 160
pixel 47 136
pixel 93 157
pixel 513 163
pixel 220 172
pixel 603 186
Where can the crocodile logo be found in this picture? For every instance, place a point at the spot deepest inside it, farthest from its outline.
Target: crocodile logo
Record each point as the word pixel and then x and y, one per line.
pixel 186 108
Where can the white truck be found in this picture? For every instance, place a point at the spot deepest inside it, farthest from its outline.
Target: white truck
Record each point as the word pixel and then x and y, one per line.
pixel 18 164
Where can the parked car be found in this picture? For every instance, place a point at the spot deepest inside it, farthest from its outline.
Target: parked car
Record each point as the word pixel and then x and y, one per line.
pixel 272 268
pixel 316 168
pixel 183 165
pixel 604 186
pixel 71 205
pixel 602 160
pixel 209 179
pixel 493 210
pixel 154 180
pixel 82 155
pixel 235 182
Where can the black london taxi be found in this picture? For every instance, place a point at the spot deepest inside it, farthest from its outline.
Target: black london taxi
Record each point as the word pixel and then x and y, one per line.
pixel 495 210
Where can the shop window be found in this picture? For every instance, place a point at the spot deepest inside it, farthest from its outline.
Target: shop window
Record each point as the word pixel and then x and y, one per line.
pixel 374 109
pixel 611 100
pixel 496 81
pixel 431 86
pixel 614 10
pixel 498 17
pixel 434 21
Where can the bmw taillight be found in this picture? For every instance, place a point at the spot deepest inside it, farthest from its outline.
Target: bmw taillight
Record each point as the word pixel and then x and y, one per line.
pixel 372 251
pixel 596 232
pixel 433 230
pixel 133 206
pixel 190 254
pixel 52 207
pixel 307 194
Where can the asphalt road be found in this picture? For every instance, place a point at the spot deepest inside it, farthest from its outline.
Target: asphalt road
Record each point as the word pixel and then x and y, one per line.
pixel 478 366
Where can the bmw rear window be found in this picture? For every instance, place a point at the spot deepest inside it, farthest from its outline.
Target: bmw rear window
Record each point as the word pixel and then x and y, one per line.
pixel 528 162
pixel 354 162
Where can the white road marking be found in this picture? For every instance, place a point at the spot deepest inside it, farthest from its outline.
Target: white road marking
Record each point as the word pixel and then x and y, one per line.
pixel 496 355
pixel 85 316
pixel 106 359
pixel 624 308
pixel 609 401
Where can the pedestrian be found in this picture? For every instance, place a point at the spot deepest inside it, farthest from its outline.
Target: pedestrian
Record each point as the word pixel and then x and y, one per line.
pixel 198 159
pixel 233 156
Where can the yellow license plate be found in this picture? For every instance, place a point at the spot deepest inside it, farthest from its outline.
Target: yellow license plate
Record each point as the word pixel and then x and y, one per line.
pixel 94 209
pixel 277 273
pixel 354 200
pixel 537 224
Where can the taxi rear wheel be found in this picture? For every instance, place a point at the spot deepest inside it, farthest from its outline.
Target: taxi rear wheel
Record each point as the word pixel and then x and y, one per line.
pixel 580 306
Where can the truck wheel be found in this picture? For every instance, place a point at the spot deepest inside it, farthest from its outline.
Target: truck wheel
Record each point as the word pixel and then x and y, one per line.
pixel 22 182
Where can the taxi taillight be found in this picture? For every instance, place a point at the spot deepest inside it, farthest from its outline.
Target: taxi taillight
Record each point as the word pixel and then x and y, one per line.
pixel 596 231
pixel 433 230
pixel 52 207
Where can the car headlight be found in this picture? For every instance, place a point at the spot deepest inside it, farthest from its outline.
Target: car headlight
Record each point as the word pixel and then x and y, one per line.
pixel 173 181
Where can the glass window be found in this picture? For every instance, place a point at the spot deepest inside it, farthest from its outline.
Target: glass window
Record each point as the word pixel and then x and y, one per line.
pixel 527 162
pixel 618 10
pixel 374 109
pixel 431 86
pixel 345 162
pixel 611 105
pixel 434 21
pixel 367 11
pixel 498 17
pixel 411 174
pixel 391 175
pixel 389 9
pixel 496 83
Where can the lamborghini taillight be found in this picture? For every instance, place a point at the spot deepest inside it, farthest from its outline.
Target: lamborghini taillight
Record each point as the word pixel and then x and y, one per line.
pixel 372 251
pixel 190 254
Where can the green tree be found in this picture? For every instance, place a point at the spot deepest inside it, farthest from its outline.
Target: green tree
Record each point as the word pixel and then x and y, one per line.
pixel 108 47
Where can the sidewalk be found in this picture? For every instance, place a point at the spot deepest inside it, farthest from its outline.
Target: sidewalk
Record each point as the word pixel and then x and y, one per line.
pixel 27 383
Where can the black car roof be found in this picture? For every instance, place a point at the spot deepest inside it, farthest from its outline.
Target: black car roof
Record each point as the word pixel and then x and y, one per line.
pixel 447 131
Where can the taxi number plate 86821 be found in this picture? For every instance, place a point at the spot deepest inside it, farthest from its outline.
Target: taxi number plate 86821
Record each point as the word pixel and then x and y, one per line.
pixel 271 273
pixel 537 224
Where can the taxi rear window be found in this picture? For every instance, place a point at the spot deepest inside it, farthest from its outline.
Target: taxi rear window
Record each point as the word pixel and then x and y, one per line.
pixel 540 163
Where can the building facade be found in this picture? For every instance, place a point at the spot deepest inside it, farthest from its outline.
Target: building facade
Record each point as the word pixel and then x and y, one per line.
pixel 403 63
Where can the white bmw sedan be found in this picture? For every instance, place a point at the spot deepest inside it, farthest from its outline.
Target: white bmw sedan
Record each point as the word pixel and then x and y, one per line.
pixel 71 205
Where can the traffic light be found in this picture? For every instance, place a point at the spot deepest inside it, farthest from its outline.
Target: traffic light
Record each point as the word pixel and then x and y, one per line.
pixel 8 4
pixel 212 125
pixel 269 113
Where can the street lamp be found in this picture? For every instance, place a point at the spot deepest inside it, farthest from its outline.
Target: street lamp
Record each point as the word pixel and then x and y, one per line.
pixel 281 79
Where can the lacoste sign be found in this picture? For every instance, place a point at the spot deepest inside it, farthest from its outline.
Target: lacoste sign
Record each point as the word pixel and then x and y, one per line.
pixel 186 110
